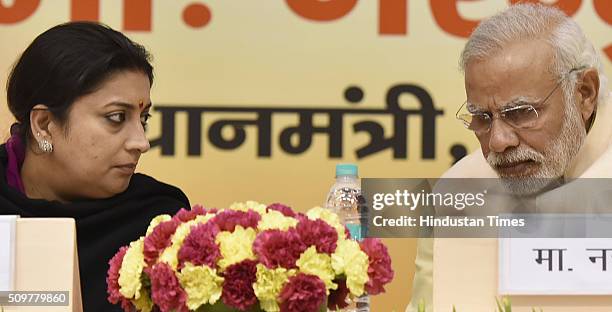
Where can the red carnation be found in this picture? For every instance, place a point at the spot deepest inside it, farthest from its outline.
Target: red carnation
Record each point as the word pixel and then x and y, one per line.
pixel 380 271
pixel 112 280
pixel 278 248
pixel 185 215
pixel 158 240
pixel 227 220
pixel 303 292
pixel 300 216
pixel 337 297
pixel 199 246
pixel 238 285
pixel 166 290
pixel 318 233
pixel 285 210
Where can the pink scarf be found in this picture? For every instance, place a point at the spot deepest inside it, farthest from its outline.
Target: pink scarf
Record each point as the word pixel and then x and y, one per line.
pixel 16 154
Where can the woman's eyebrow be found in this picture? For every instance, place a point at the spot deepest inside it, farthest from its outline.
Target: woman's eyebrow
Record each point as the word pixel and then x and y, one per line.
pixel 128 106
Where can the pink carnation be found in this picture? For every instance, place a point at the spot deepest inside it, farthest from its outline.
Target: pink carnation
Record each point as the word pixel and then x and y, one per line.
pixel 199 246
pixel 227 220
pixel 300 216
pixel 166 290
pixel 276 248
pixel 238 285
pixel 285 210
pixel 185 215
pixel 303 292
pixel 337 297
pixel 158 240
pixel 380 271
pixel 318 233
pixel 112 280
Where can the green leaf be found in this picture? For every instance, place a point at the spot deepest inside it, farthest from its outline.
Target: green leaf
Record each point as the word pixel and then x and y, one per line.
pixel 421 306
pixel 507 304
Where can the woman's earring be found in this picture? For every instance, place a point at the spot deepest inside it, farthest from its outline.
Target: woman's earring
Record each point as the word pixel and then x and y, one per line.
pixel 45 146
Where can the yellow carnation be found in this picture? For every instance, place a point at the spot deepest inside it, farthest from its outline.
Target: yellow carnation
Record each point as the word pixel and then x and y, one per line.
pixel 350 260
pixel 269 284
pixel 131 269
pixel 319 264
pixel 235 246
pixel 275 220
pixel 170 254
pixel 201 283
pixel 329 217
pixel 156 221
pixel 253 205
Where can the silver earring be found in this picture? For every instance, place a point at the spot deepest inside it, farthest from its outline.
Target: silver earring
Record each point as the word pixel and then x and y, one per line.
pixel 45 146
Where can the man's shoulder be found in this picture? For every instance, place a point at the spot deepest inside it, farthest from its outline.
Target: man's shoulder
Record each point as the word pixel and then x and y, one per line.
pixel 601 167
pixel 473 165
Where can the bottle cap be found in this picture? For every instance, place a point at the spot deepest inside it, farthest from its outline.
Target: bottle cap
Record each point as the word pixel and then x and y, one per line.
pixel 346 170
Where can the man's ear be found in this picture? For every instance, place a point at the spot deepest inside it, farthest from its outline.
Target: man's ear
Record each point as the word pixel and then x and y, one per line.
pixel 588 91
pixel 40 120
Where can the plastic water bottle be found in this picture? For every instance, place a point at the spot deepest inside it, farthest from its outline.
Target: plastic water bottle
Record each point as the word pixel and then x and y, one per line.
pixel 346 201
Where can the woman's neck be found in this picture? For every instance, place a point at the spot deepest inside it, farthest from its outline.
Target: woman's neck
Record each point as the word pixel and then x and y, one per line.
pixel 38 178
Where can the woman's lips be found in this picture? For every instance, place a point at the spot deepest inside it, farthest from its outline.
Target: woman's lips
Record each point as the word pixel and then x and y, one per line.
pixel 127 168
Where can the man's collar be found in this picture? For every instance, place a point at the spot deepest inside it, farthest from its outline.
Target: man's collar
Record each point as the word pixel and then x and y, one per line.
pixel 597 141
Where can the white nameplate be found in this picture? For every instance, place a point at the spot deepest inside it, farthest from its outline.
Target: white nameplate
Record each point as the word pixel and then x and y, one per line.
pixel 555 266
pixel 7 250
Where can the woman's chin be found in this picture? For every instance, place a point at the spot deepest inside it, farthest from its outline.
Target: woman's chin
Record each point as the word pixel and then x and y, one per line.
pixel 117 186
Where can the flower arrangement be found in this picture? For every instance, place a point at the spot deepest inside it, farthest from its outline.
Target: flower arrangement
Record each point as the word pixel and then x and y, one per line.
pixel 250 257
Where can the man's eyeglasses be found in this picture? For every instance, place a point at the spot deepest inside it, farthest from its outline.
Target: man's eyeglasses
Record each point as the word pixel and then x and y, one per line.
pixel 521 116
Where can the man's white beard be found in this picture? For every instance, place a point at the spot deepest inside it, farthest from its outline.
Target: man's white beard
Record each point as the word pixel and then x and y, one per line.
pixel 553 162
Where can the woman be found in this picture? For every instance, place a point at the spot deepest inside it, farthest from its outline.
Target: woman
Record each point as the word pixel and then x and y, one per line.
pixel 80 95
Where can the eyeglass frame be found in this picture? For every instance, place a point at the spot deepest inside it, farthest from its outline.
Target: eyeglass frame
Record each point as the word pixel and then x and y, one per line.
pixel 502 112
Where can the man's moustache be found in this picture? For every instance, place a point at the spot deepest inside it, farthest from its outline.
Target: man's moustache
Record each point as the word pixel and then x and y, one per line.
pixel 514 156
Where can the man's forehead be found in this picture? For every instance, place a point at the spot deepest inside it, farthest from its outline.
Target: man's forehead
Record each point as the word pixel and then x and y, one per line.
pixel 518 73
pixel 532 54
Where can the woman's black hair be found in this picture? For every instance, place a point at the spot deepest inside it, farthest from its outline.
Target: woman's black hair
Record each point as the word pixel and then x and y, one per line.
pixel 66 62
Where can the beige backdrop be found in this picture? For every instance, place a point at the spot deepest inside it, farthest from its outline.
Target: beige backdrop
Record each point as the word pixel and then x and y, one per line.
pixel 292 55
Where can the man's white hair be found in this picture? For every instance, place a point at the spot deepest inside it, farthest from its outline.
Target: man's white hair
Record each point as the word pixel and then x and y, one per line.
pixel 572 50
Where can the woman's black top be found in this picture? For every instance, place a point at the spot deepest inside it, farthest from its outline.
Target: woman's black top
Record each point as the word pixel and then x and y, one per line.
pixel 102 225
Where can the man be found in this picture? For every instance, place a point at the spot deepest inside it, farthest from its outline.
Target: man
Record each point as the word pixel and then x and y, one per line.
pixel 538 104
